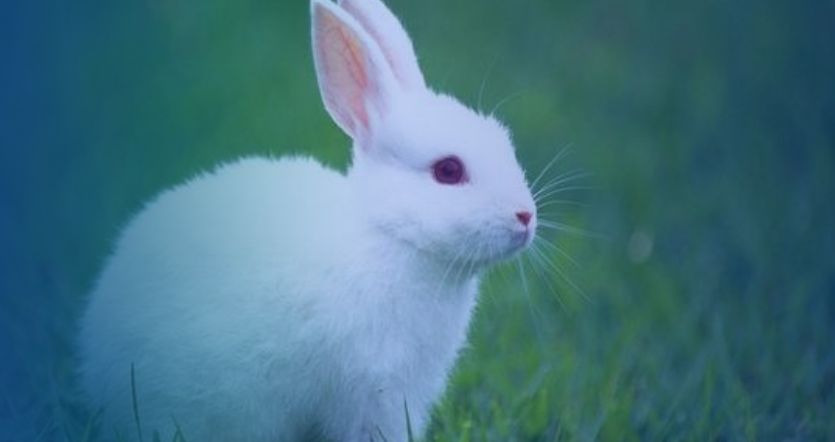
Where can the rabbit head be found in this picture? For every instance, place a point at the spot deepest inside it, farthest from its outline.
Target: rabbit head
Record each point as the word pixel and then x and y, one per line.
pixel 428 170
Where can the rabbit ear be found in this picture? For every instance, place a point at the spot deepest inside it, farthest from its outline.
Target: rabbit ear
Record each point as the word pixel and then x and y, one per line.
pixel 392 38
pixel 355 80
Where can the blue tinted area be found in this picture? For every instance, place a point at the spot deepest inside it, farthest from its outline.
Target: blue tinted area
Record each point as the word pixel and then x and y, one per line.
pixel 708 128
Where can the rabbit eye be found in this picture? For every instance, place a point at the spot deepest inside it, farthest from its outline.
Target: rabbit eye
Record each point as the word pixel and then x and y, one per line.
pixel 449 170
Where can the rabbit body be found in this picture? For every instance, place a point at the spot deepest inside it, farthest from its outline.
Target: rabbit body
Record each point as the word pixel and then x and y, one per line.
pixel 269 318
pixel 278 300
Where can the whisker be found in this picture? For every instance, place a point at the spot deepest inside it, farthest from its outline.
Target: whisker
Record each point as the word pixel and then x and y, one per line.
pixel 501 269
pixel 557 249
pixel 531 310
pixel 462 273
pixel 446 272
pixel 522 274
pixel 468 264
pixel 563 275
pixel 559 190
pixel 484 81
pixel 481 249
pixel 553 161
pixel 557 202
pixel 562 178
pixel 562 175
pixel 505 101
pixel 569 229
pixel 456 260
pixel 536 257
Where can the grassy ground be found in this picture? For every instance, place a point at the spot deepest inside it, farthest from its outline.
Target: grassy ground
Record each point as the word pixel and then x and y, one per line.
pixel 703 308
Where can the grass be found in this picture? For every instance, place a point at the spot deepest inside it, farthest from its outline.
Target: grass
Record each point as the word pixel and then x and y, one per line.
pixel 703 309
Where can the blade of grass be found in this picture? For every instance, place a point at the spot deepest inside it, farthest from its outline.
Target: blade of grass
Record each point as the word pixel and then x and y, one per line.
pixel 178 433
pixel 383 436
pixel 135 405
pixel 408 422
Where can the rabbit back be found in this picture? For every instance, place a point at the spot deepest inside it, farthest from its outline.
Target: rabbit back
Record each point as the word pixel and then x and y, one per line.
pixel 205 299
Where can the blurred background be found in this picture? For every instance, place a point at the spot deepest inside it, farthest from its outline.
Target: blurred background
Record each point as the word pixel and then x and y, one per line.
pixel 698 302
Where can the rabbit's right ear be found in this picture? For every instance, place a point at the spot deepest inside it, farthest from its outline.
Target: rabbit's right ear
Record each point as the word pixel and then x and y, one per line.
pixel 388 32
pixel 355 80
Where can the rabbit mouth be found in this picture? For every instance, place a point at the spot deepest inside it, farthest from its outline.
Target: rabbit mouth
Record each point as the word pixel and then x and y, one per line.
pixel 515 242
pixel 519 240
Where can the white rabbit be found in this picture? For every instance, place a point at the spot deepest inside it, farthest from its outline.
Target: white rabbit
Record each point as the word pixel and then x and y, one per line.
pixel 276 300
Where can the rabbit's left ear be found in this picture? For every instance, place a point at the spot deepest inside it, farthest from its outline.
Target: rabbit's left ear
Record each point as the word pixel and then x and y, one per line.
pixel 381 24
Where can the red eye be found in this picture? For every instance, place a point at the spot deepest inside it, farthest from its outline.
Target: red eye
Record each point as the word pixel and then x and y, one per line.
pixel 449 170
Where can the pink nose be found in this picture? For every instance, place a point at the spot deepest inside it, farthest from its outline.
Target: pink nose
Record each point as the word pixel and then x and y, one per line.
pixel 524 217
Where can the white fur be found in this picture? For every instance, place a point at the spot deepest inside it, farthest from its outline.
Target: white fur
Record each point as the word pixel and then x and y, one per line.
pixel 390 36
pixel 272 300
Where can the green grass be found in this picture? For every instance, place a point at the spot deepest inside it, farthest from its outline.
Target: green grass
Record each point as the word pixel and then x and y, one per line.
pixel 704 309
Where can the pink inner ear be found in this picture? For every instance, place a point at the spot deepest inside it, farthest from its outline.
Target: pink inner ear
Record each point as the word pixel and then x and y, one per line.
pixel 347 85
